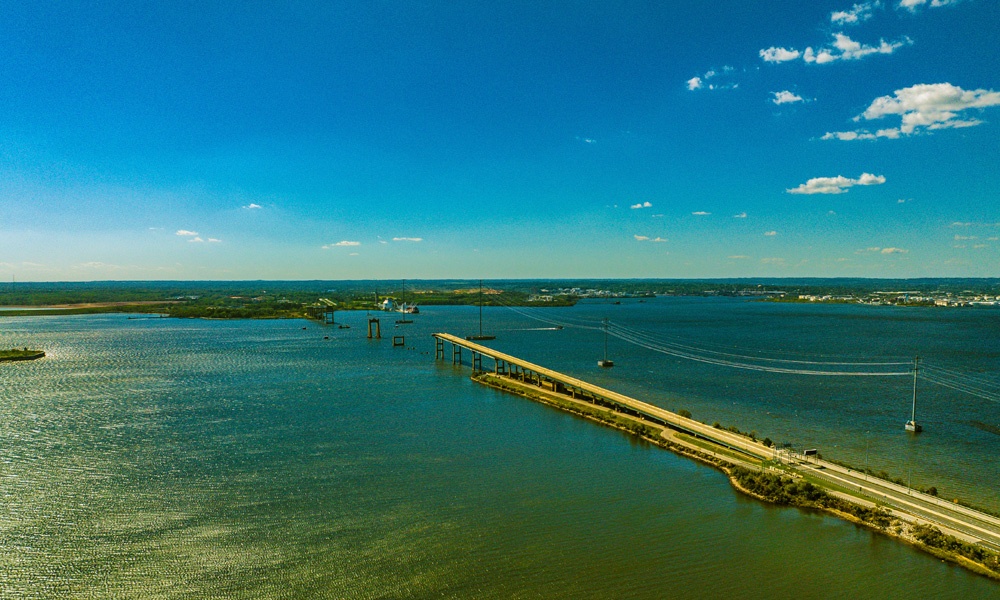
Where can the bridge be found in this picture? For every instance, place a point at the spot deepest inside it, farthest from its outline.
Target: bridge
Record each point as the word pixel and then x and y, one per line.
pixel 914 506
pixel 560 383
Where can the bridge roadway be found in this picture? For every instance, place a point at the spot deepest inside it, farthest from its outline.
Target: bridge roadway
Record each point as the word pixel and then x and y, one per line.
pixel 971 525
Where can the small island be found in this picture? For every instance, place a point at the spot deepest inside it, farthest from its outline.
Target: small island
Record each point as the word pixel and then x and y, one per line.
pixel 23 354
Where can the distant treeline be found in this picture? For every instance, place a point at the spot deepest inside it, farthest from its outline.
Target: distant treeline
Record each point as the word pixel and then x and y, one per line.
pixel 428 292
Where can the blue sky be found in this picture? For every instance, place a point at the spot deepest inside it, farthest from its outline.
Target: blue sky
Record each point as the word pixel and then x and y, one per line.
pixel 339 140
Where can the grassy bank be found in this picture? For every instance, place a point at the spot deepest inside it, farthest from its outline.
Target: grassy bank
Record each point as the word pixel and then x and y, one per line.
pixel 25 354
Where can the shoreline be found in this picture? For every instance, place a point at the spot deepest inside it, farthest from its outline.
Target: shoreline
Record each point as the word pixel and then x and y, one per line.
pixel 20 355
pixel 878 518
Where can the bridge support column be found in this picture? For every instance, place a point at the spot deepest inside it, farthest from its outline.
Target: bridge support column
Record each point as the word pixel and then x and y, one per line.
pixel 456 354
pixel 477 362
pixel 377 330
pixel 438 349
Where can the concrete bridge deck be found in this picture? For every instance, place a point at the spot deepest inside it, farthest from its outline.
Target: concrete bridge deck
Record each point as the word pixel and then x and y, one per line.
pixel 577 388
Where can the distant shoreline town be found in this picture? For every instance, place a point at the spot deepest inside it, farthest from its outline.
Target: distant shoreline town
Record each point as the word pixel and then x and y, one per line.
pixel 316 299
pixel 902 298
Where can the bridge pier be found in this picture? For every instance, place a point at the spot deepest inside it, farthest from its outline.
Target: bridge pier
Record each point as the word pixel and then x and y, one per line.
pixel 377 330
pixel 456 354
pixel 477 362
pixel 438 349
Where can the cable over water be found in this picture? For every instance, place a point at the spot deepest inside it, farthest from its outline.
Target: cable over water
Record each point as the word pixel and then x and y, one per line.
pixel 980 387
pixel 961 382
pixel 726 359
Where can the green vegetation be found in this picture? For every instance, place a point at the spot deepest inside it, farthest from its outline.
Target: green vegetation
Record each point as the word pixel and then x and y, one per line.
pixel 933 538
pixel 784 490
pixel 717 449
pixel 247 300
pixel 752 434
pixel 24 354
pixel 294 299
pixel 607 417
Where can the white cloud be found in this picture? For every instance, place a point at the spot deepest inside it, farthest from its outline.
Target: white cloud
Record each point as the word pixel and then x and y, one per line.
pixel 741 215
pixel 586 140
pixel 646 204
pixel 407 239
pixel 641 238
pixel 881 250
pixel 964 237
pixel 214 240
pixel 931 105
pixel 869 179
pixel 702 82
pixel 659 239
pixel 185 232
pixel 847 136
pixel 922 107
pixel 196 239
pixel 96 265
pixel 913 5
pixel 770 233
pixel 855 14
pixel 773 261
pixel 843 48
pixel 785 97
pixel 779 55
pixel 341 244
pixel 738 257
pixel 700 213
pixel 835 185
pixel 354 254
pixel 252 206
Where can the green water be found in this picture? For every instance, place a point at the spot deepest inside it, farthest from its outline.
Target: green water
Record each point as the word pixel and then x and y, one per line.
pixel 254 459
